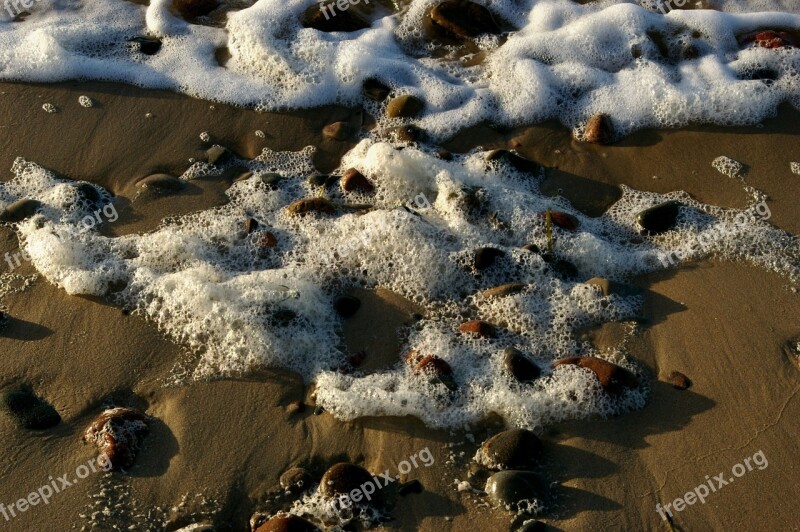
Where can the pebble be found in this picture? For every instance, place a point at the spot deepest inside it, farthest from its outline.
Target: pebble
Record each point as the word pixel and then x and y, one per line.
pixel 772 39
pixel 679 381
pixel 308 205
pixel 511 449
pixel 161 182
pixel 408 133
pixel 343 478
pixel 118 434
pixel 503 290
pixel 354 181
pixel 514 488
pixel 404 106
pixel 564 220
pixel 20 210
pixel 296 480
pixel 660 218
pixel 463 18
pixel 345 20
pixel 407 488
pixel 375 90
pixel 346 306
pixel 608 287
pixel 31 411
pixel 250 225
pixel 613 378
pixel 486 257
pixel 517 161
pixel 518 365
pixel 147 45
pixel 599 129
pixel 287 523
pixel 266 240
pixel 437 368
pixel 339 131
pixel 532 526
pixel 565 269
pixel 479 328
pixel 217 154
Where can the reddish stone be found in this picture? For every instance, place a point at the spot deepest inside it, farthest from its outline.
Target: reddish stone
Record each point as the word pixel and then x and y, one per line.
pixel 599 130
pixel 564 220
pixel 353 180
pixel 433 364
pixel 266 240
pixel 678 380
pixel 478 327
pixel 305 206
pixel 118 434
pixel 613 378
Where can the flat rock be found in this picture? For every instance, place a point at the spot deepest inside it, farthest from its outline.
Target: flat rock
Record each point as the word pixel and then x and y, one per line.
pixel 217 154
pixel 479 328
pixel 463 18
pixel 660 218
pixel 20 210
pixel 511 449
pixel 564 220
pixel 599 129
pixel 296 480
pixel 516 489
pixel 31 411
pixel 518 365
pixel 613 378
pixel 118 434
pixel 503 290
pixel 375 90
pixel 679 381
pixel 404 106
pixel 309 205
pixel 342 478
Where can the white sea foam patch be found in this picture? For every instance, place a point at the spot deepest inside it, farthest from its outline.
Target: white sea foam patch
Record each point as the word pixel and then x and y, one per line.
pixel 564 60
pixel 208 284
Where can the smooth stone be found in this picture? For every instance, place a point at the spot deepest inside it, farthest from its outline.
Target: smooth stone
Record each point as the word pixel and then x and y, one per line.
pixel 503 290
pixel 599 129
pixel 404 106
pixel 408 133
pixel 20 210
pixel 346 306
pixel 308 205
pixel 194 8
pixel 217 154
pixel 532 526
pixel 375 90
pixel 511 488
pixel 287 523
pixel 463 18
pixel 479 328
pixel 345 20
pixel 518 365
pixel 343 478
pixel 486 257
pixel 147 45
pixel 339 131
pixel 511 449
pixel 272 179
pixel 613 378
pixel 565 269
pixel 161 182
pixel 440 371
pixel 250 225
pixel 318 180
pixel 354 181
pixel 564 220
pixel 608 287
pixel 407 488
pixel 296 480
pixel 31 411
pixel 244 176
pixel 660 218
pixel 517 161
pixel 679 381
pixel 533 248
pixel 118 434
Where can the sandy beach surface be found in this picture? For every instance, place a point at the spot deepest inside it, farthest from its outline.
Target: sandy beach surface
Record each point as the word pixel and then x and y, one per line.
pixel 217 448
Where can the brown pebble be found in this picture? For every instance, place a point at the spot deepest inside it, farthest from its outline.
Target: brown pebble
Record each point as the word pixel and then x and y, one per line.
pixel 520 163
pixel 503 290
pixel 250 225
pixel 613 378
pixel 296 480
pixel 564 220
pixel 19 210
pixel 307 205
pixel 511 449
pixel 599 129
pixel 354 181
pixel 479 328
pixel 375 90
pixel 266 240
pixel 118 434
pixel 433 364
pixel 342 478
pixel 518 365
pixel 486 257
pixel 463 18
pixel 678 380
pixel 339 131
pixel 404 106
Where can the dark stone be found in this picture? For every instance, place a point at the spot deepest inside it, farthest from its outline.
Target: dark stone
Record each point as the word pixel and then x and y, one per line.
pixel 565 269
pixel 503 290
pixel 20 210
pixel 296 480
pixel 344 20
pixel 479 328
pixel 161 183
pixel 613 378
pixel 512 489
pixel 599 130
pixel 511 449
pixel 533 248
pixel 486 257
pixel 660 218
pixel 409 133
pixel 517 161
pixel 444 155
pixel 346 306
pixel 407 488
pixel 194 8
pixel 518 365
pixel 147 45
pixel 679 381
pixel 404 106
pixel 118 434
pixel 436 368
pixel 532 526
pixel 343 478
pixel 463 18
pixel 308 205
pixel 318 180
pixel 353 181
pixel 612 287
pixel 30 411
pixel 375 90
pixel 339 131
pixel 250 225
pixel 217 154
pixel 272 179
pixel 564 220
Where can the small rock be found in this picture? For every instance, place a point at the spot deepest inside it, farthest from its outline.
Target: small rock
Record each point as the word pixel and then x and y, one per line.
pixel 503 290
pixel 343 20
pixel 118 434
pixel 31 411
pixel 564 220
pixel 532 526
pixel 518 365
pixel 613 378
pixel 486 257
pixel 20 210
pixel 287 523
pixel 514 490
pixel 217 154
pixel 343 478
pixel 511 449
pixel 612 287
pixel 772 39
pixel 194 8
pixel 318 410
pixel 599 130
pixel 533 248
pixel 517 161
pixel 439 370
pixel 308 205
pixel 339 131
pixel 296 407
pixel 678 380
pixel 479 328
pixel 408 133
pixel 147 45
pixel 346 306
pixel 660 218
pixel 463 18
pixel 250 225
pixel 265 240
pixel 296 480
pixel 271 179
pixel 407 488
pixel 565 269
pixel 161 183
pixel 353 180
pixel 375 90
pixel 444 155
pixel 404 106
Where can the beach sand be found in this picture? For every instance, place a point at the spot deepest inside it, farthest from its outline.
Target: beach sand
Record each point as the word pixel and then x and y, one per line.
pixel 217 448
